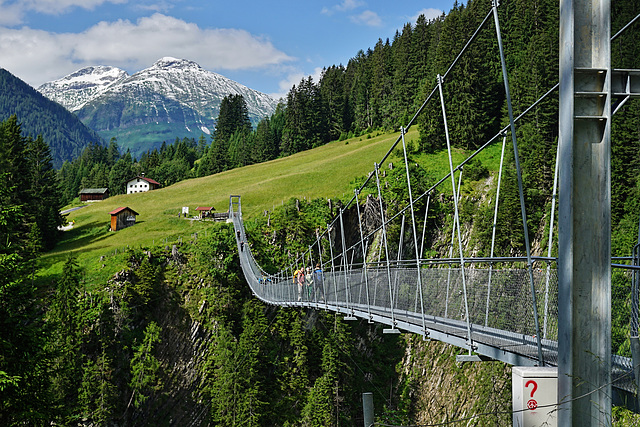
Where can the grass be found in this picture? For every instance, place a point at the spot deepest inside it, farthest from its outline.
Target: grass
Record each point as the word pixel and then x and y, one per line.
pixel 324 172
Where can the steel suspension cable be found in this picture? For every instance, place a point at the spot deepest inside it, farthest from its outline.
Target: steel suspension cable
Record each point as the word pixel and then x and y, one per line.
pixel 554 197
pixel 386 250
pixel 456 216
pixel 364 256
pixel 519 176
pixel 493 231
pixel 415 231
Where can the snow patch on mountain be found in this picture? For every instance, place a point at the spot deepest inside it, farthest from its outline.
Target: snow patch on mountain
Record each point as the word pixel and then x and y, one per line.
pixel 76 89
pixel 179 80
pixel 174 98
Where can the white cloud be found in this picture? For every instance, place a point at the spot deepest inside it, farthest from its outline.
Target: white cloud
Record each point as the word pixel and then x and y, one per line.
pixel 345 6
pixel 12 11
pixel 11 14
pixel 161 6
pixel 368 18
pixel 429 13
pixel 132 46
pixel 293 79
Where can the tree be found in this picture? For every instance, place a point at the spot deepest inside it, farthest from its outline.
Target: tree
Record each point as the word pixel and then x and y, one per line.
pixel 240 149
pixel 233 118
pixel 44 193
pixel 119 174
pixel 265 147
pixel 146 280
pixel 145 366
pixel 23 384
pixel 113 152
pixel 63 317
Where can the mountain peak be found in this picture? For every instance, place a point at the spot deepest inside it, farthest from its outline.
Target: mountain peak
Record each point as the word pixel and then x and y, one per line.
pixel 79 87
pixel 172 98
pixel 171 62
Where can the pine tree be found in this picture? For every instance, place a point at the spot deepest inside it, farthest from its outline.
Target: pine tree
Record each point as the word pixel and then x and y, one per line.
pixel 264 144
pixel 64 317
pixel 23 381
pixel 44 195
pixel 145 366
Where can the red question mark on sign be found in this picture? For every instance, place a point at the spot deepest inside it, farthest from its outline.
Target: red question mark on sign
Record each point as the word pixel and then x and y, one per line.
pixel 532 404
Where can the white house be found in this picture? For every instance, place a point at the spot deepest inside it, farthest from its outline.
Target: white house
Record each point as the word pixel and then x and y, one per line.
pixel 140 184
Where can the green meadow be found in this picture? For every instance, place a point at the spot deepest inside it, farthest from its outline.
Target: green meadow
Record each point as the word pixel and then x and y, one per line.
pixel 328 171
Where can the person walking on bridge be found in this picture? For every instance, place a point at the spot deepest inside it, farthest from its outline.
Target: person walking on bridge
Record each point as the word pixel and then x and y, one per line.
pixel 309 284
pixel 318 281
pixel 298 279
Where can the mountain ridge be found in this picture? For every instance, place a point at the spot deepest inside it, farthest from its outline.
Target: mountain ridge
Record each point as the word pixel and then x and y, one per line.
pixel 65 134
pixel 173 98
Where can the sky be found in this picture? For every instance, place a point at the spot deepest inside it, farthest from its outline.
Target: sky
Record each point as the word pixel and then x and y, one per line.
pixel 267 45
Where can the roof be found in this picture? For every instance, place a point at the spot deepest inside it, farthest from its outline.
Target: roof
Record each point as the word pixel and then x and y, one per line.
pixel 118 210
pixel 144 178
pixel 205 208
pixel 94 190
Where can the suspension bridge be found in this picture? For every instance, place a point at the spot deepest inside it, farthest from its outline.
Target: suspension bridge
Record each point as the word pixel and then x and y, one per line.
pixel 500 308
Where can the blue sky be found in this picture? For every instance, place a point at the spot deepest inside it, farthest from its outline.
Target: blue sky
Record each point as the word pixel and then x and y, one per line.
pixel 266 45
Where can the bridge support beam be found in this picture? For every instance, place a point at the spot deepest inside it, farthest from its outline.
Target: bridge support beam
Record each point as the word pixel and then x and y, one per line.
pixel 584 259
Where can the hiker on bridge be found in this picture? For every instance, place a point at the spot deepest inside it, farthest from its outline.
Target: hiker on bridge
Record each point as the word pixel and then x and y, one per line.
pixel 309 283
pixel 298 279
pixel 318 281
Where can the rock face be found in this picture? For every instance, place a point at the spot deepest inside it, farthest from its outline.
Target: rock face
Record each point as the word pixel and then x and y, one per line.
pixel 174 98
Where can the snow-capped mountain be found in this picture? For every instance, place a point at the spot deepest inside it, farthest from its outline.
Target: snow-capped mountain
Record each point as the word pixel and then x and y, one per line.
pixel 75 90
pixel 174 98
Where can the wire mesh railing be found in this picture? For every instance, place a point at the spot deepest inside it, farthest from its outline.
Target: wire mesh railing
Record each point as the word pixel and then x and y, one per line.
pixel 500 313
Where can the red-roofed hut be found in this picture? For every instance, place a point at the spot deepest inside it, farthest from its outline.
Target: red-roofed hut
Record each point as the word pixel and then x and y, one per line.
pixel 122 218
pixel 204 211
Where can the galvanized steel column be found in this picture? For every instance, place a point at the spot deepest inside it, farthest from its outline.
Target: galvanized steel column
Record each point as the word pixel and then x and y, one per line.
pixel 584 235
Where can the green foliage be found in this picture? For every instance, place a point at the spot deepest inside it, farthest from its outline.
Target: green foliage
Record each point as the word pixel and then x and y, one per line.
pixel 26 165
pixel 63 131
pixel 145 366
pixel 147 278
pixel 475 170
pixel 98 391
pixel 24 383
pixel 105 167
pixel 63 317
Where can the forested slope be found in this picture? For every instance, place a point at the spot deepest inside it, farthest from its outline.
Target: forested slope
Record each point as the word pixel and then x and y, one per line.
pixel 61 130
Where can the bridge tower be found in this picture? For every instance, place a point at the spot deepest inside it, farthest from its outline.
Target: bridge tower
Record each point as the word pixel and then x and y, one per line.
pixel 584 258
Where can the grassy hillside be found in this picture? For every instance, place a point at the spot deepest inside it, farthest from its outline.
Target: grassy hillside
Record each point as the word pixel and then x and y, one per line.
pixel 324 172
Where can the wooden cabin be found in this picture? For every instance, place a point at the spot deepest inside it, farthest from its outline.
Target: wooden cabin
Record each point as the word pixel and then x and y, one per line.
pixel 93 194
pixel 122 218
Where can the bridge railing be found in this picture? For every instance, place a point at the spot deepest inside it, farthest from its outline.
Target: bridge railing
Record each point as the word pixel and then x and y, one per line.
pixel 500 315
pixel 498 299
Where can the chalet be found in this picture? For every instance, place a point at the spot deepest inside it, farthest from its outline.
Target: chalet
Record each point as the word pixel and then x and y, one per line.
pixel 140 184
pixel 93 194
pixel 204 211
pixel 122 218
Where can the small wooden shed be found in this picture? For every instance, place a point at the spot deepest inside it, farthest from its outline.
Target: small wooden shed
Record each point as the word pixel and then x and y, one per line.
pixel 122 217
pixel 204 211
pixel 91 194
